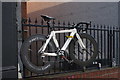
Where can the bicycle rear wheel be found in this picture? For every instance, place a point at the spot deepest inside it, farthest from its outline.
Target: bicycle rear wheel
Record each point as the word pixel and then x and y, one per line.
pixel 33 60
pixel 84 57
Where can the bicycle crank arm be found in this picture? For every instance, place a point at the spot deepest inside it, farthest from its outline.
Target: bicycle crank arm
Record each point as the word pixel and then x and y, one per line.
pixel 69 61
pixel 49 54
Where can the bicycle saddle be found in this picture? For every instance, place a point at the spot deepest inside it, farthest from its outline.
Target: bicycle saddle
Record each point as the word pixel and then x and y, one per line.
pixel 47 18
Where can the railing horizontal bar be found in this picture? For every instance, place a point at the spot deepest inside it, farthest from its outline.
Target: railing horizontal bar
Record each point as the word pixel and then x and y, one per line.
pixel 32 25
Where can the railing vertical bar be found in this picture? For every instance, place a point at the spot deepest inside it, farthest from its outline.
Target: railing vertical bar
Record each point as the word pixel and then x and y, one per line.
pixel 87 44
pixel 48 32
pixel 36 31
pixel 105 46
pixel 42 27
pixel 68 25
pixel 108 45
pixel 94 35
pixel 118 43
pixel 82 40
pixel 24 75
pixel 114 40
pixel 115 44
pixel 111 45
pixel 55 57
pixel 98 37
pixel 64 38
pixel 60 45
pixel 119 46
pixel 101 44
pixel 30 45
pixel 90 42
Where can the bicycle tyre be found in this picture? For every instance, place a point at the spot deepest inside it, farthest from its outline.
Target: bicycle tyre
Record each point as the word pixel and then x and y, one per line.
pixel 25 59
pixel 72 50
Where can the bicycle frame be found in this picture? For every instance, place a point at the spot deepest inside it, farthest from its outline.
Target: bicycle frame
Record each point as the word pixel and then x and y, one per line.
pixel 72 32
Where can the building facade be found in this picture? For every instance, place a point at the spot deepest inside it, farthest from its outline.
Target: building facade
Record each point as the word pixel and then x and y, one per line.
pixel 96 12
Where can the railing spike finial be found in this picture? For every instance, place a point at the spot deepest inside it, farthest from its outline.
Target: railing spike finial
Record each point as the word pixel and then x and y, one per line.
pixel 94 25
pixel 58 22
pixel 63 23
pixel 101 26
pixel 29 20
pixel 104 26
pixel 73 23
pixel 68 23
pixel 97 26
pixel 53 22
pixel 24 20
pixel 114 28
pixel 108 27
pixel 36 21
pixel 42 22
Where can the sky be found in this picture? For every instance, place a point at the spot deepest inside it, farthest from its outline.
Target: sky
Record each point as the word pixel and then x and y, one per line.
pixel 60 0
pixel 74 0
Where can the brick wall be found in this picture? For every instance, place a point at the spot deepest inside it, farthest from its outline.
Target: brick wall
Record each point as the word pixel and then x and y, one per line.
pixel 103 74
pixel 106 73
pixel 24 9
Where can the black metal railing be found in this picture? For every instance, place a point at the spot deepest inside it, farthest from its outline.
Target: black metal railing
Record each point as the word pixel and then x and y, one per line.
pixel 107 37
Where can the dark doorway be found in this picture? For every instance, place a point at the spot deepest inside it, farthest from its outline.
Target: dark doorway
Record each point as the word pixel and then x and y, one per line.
pixel 9 40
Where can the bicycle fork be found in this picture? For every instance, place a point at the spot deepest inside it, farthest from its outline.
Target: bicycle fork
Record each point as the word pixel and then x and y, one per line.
pixel 80 41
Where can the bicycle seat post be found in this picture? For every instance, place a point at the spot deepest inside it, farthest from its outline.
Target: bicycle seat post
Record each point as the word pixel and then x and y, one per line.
pixel 48 19
pixel 48 24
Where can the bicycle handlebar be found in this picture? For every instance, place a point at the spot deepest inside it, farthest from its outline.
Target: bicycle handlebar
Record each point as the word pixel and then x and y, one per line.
pixel 86 23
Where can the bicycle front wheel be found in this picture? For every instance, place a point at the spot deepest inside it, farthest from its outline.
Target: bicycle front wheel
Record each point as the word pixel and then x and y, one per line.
pixel 84 57
pixel 33 60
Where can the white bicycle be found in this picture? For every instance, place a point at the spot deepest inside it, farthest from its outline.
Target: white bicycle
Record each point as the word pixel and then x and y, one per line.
pixel 83 49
